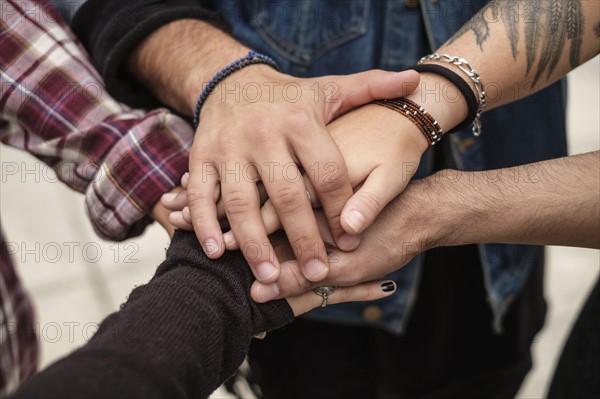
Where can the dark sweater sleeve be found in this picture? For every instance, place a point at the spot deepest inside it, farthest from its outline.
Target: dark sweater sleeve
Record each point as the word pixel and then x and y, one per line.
pixel 111 29
pixel 179 336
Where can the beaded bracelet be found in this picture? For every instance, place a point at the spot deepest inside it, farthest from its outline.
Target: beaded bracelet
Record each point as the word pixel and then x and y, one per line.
pixel 250 59
pixel 460 84
pixel 417 115
pixel 466 68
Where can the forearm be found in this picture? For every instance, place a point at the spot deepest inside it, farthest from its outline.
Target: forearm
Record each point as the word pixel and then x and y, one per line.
pixel 522 46
pixel 555 202
pixel 518 47
pixel 112 29
pixel 177 59
pixel 179 336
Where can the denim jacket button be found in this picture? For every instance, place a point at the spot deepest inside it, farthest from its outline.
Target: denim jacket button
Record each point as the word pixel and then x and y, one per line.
pixel 372 313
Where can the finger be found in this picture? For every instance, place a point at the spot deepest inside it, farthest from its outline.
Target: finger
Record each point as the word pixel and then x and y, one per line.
pixel 362 88
pixel 177 219
pixel 262 193
pixel 203 183
pixel 291 282
pixel 326 169
pixel 185 179
pixel 380 187
pixel 270 221
pixel 174 201
pixel 363 292
pixel 291 279
pixel 242 207
pixel 287 195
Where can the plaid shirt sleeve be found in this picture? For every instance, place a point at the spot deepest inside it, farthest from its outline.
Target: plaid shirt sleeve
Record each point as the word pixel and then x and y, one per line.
pixel 54 105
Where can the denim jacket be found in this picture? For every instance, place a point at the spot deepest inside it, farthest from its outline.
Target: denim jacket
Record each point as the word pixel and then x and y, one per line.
pixel 320 37
pixel 314 38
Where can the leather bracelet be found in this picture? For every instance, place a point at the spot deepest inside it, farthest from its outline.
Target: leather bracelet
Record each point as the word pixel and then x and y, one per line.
pixel 251 58
pixel 473 74
pixel 460 84
pixel 417 115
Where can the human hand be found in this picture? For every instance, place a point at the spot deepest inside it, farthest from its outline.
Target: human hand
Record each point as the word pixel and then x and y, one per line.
pixel 382 151
pixel 408 226
pixel 370 291
pixel 305 301
pixel 161 214
pixel 240 143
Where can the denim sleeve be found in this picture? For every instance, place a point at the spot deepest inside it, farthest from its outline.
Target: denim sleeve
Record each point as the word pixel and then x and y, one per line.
pixel 111 29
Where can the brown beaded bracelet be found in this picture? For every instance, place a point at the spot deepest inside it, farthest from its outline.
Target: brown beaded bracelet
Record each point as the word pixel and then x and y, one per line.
pixel 417 115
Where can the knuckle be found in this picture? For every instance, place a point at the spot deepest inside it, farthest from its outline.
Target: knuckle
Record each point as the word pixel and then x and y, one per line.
pixel 196 197
pixel 333 178
pixel 261 133
pixel 237 202
pixel 370 202
pixel 225 142
pixel 288 200
pixel 302 122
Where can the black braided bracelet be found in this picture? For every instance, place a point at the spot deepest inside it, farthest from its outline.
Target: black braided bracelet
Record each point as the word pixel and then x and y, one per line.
pixel 250 59
pixel 460 84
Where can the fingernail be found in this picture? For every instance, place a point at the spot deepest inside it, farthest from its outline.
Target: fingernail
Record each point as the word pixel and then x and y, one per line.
pixel 355 220
pixel 388 286
pixel 210 246
pixel 267 292
pixel 265 271
pixel 313 269
pixel 168 197
pixel 348 242
pixel 229 238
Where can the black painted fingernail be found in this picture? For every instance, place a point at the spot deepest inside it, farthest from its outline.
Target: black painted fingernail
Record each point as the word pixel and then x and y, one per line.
pixel 388 287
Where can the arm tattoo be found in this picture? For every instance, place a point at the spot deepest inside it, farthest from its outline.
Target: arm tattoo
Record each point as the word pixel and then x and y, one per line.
pixel 549 25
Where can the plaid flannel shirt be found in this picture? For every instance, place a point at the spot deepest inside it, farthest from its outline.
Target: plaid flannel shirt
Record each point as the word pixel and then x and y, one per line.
pixel 54 105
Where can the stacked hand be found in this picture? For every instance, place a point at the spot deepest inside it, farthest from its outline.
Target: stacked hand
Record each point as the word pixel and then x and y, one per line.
pixel 269 135
pixel 382 151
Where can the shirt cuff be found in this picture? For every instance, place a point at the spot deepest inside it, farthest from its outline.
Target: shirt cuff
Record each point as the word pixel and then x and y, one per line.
pixel 148 161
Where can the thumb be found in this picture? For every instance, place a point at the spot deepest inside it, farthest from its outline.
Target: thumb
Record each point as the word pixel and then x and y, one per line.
pixel 358 89
pixel 367 203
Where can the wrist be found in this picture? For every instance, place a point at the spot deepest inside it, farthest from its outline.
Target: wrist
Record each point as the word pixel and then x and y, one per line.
pixel 409 134
pixel 459 214
pixel 232 82
pixel 174 73
pixel 441 99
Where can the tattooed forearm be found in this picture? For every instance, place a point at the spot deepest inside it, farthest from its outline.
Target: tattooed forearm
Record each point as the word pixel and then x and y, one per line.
pixel 547 25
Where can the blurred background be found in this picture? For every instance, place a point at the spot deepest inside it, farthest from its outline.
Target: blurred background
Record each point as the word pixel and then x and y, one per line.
pixel 76 279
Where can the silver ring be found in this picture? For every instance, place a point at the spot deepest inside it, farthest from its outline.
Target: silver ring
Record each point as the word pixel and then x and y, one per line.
pixel 309 197
pixel 324 293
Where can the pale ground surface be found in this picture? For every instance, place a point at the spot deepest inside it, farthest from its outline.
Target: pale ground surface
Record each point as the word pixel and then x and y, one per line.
pixel 77 279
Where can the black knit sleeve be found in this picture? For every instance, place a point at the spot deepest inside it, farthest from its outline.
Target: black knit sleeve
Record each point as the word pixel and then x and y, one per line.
pixel 110 29
pixel 179 336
